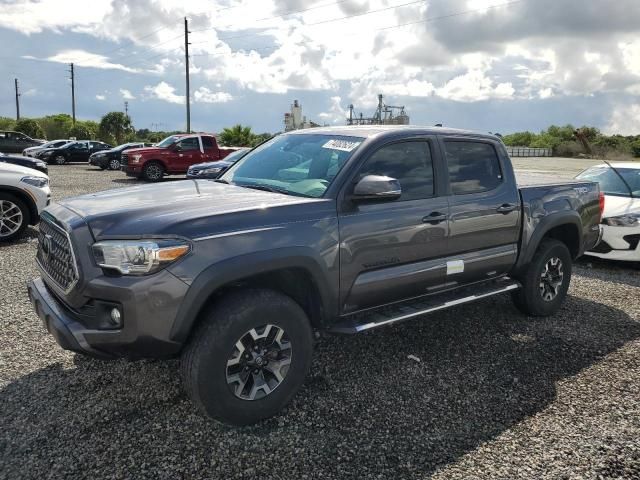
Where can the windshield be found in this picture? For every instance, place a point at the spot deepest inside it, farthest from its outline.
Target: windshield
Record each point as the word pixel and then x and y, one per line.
pixel 299 164
pixel 168 141
pixel 611 183
pixel 126 146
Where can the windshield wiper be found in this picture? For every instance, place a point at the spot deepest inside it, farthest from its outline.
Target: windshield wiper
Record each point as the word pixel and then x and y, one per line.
pixel 271 188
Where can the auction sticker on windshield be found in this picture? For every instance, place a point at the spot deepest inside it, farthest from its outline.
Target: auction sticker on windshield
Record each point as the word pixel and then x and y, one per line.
pixel 344 145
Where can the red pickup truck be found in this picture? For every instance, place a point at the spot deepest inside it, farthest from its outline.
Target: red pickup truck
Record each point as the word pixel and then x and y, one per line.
pixel 172 156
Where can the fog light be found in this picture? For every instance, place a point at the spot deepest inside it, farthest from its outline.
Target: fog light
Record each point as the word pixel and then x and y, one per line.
pixel 116 317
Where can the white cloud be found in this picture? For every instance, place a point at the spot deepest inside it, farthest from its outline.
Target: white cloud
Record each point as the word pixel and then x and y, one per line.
pixel 101 97
pixel 336 114
pixel 164 91
pixel 474 86
pixel 126 94
pixel 624 120
pixel 204 95
pixel 82 58
pixel 30 16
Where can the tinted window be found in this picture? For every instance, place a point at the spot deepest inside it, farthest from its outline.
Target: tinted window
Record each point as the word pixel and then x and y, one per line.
pixel 610 181
pixel 78 146
pixel 207 142
pixel 473 167
pixel 408 162
pixel 190 144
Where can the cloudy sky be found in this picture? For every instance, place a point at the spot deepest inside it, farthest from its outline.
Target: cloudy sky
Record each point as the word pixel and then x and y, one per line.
pixel 490 65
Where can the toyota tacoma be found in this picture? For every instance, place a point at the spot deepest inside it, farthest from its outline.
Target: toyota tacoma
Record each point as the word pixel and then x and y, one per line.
pixel 336 230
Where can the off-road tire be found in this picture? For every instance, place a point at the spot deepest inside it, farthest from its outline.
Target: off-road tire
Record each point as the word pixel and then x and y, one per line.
pixel 6 199
pixel 529 299
pixel 150 171
pixel 204 359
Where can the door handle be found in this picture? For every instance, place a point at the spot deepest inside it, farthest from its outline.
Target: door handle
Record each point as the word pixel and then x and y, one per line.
pixel 435 218
pixel 506 208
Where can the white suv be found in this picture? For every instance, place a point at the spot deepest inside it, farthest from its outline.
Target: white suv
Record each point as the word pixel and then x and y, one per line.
pixel 24 192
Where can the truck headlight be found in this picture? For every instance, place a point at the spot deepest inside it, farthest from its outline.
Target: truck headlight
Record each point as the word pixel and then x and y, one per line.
pixel 35 181
pixel 138 257
pixel 135 158
pixel 626 220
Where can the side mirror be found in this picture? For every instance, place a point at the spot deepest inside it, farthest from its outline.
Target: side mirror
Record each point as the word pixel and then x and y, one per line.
pixel 377 187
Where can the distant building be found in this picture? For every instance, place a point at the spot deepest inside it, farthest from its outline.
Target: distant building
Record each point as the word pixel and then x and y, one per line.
pixel 295 120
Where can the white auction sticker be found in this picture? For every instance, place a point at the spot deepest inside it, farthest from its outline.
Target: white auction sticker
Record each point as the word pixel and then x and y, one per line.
pixel 343 145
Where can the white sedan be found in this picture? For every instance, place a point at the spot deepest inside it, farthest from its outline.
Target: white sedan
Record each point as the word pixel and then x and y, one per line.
pixel 24 192
pixel 620 183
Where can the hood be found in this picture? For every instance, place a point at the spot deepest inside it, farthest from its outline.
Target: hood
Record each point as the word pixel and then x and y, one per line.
pixel 188 208
pixel 19 169
pixel 146 150
pixel 615 206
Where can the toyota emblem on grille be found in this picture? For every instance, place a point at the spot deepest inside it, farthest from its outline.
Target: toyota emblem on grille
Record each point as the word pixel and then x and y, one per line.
pixel 47 246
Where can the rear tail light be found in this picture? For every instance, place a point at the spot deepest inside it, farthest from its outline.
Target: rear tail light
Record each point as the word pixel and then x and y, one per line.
pixel 601 205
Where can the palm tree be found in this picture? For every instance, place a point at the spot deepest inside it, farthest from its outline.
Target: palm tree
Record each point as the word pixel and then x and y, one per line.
pixel 237 136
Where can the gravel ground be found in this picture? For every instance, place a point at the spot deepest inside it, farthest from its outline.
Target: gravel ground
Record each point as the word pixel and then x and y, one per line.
pixel 487 393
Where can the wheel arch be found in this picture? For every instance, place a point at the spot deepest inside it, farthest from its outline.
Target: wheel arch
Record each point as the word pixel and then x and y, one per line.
pixel 26 198
pixel 298 276
pixel 565 227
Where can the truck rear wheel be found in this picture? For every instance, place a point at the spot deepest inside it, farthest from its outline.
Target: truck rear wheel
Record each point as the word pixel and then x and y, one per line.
pixel 249 356
pixel 546 281
pixel 153 172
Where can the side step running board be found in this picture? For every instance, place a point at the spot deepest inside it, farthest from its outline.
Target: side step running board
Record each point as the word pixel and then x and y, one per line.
pixel 374 318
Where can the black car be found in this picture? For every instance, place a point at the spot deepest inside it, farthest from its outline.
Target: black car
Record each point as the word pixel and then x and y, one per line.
pixel 77 151
pixel 25 162
pixel 111 158
pixel 217 168
pixel 16 142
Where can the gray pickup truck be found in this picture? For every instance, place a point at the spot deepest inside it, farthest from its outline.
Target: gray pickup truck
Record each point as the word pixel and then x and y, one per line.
pixel 337 230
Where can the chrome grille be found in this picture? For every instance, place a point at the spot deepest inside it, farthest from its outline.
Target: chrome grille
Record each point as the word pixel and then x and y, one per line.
pixel 55 255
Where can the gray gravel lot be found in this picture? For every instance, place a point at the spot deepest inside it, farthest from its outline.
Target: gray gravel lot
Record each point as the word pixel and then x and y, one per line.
pixel 493 395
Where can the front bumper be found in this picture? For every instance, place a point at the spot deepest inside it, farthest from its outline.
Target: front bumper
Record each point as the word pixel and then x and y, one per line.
pixel 99 161
pixel 618 243
pixel 149 308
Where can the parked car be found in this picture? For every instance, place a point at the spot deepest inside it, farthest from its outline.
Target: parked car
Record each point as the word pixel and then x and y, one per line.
pixel 31 151
pixel 76 151
pixel 16 142
pixel 111 158
pixel 172 156
pixel 24 193
pixel 620 183
pixel 217 168
pixel 25 162
pixel 234 275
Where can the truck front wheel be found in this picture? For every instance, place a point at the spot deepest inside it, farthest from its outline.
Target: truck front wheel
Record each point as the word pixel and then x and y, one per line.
pixel 153 172
pixel 249 356
pixel 546 281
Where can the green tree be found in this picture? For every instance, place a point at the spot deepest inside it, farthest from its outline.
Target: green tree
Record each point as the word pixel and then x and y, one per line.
pixel 519 139
pixel 56 126
pixel 261 137
pixel 82 131
pixel 115 126
pixel 237 136
pixel 7 123
pixel 30 127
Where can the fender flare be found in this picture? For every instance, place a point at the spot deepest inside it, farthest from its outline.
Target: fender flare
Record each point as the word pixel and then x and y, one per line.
pixel 231 270
pixel 546 224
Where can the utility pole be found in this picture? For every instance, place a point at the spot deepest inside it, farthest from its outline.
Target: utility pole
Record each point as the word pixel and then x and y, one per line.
pixel 126 109
pixel 73 95
pixel 17 101
pixel 186 60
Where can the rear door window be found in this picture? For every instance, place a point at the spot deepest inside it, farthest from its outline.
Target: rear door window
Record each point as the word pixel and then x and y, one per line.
pixel 473 167
pixel 208 143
